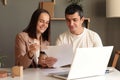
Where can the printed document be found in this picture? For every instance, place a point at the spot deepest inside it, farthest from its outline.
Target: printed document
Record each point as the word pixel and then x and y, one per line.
pixel 63 53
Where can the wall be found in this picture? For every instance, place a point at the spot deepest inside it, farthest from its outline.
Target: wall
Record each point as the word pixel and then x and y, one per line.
pixel 16 15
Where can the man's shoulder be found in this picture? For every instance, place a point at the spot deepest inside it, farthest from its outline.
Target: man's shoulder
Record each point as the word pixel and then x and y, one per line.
pixel 90 32
pixel 66 33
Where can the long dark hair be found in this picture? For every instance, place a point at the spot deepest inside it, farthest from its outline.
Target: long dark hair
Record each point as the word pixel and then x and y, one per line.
pixel 31 28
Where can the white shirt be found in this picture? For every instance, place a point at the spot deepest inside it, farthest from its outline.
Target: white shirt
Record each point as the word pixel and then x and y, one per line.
pixel 36 55
pixel 88 38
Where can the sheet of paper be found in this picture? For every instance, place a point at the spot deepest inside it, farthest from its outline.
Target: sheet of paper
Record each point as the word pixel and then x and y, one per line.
pixel 49 71
pixel 63 53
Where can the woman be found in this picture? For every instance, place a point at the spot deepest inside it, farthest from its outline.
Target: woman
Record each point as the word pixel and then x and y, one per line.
pixel 30 43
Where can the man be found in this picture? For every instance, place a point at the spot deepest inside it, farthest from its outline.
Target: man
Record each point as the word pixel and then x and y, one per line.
pixel 77 35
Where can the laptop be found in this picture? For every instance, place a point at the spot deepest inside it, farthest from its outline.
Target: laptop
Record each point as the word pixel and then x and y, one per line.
pixel 87 62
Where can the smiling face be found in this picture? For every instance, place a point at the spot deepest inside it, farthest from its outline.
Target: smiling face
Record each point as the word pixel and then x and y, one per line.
pixel 43 22
pixel 74 23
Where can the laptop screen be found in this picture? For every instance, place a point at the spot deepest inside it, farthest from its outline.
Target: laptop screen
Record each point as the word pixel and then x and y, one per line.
pixel 90 62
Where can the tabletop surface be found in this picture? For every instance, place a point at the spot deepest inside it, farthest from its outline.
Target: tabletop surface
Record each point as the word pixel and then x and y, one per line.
pixel 42 74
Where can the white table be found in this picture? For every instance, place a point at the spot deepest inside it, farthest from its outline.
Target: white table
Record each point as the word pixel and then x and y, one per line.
pixel 40 74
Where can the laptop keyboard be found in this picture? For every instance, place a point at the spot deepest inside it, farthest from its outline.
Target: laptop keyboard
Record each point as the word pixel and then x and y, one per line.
pixel 64 75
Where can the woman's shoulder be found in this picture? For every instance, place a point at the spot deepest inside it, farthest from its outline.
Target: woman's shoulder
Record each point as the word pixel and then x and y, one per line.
pixel 22 35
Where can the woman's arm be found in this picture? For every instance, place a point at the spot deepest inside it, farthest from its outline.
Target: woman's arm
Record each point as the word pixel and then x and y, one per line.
pixel 22 56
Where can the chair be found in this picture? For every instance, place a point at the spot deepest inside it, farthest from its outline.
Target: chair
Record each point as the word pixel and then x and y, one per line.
pixel 117 55
pixel 86 22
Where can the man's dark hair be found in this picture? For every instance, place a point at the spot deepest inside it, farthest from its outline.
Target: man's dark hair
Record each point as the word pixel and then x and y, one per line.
pixel 72 8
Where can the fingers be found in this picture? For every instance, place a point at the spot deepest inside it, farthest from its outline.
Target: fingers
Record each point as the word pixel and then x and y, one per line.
pixel 50 61
pixel 43 47
pixel 47 61
pixel 43 64
pixel 42 60
pixel 34 47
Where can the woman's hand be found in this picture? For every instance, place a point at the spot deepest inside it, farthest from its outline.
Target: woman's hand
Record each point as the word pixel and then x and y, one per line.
pixel 50 61
pixel 46 61
pixel 42 61
pixel 33 48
